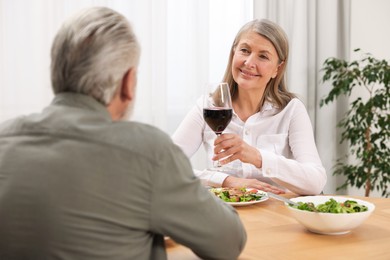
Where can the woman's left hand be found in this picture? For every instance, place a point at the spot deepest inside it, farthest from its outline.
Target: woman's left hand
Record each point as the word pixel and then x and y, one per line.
pixel 230 147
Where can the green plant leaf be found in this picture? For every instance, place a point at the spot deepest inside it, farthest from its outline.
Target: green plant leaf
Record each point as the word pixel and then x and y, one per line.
pixel 365 126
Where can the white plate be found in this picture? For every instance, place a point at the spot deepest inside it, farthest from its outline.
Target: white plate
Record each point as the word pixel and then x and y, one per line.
pixel 247 203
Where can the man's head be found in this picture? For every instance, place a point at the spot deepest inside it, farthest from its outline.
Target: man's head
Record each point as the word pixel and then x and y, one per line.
pixel 94 53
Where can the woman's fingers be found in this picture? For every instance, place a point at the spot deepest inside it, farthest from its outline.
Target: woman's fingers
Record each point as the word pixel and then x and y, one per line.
pixel 236 149
pixel 267 187
pixel 228 145
pixel 251 183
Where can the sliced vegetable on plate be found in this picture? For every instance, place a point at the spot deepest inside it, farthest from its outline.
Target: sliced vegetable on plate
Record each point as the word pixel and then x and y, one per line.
pixel 239 196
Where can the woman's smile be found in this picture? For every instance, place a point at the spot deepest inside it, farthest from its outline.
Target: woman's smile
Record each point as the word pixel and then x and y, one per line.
pixel 248 74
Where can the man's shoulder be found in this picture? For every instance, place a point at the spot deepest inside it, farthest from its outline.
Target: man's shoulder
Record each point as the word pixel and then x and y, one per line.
pixel 11 125
pixel 141 131
pixel 143 136
pixel 145 140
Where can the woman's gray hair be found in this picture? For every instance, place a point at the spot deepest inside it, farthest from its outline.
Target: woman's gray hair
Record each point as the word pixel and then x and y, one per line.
pixel 92 52
pixel 276 91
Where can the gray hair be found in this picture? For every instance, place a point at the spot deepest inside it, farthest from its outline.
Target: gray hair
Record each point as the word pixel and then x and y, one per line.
pixel 92 52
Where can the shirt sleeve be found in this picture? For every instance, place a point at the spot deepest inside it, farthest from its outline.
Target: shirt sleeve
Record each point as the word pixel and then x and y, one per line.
pixel 188 136
pixel 187 212
pixel 211 178
pixel 304 174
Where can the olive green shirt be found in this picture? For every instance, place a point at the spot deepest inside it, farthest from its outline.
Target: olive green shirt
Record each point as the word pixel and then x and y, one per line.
pixel 76 185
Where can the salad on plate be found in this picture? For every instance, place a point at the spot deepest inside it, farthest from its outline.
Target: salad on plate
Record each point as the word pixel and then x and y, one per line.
pixel 239 196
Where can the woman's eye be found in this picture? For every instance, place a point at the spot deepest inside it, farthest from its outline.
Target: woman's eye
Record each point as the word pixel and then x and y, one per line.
pixel 243 50
pixel 263 57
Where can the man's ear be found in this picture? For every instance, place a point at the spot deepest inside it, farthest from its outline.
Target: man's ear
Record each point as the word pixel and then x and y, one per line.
pixel 129 83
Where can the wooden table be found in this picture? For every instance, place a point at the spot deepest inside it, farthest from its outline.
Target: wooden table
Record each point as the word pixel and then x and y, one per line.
pixel 274 234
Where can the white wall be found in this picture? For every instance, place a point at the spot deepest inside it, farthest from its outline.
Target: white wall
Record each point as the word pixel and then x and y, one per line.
pixel 370 27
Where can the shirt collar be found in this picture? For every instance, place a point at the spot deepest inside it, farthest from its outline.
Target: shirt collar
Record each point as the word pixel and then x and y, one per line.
pixel 267 106
pixel 80 101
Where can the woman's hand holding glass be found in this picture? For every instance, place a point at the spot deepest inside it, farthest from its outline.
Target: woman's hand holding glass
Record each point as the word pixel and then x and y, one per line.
pixel 217 109
pixel 229 147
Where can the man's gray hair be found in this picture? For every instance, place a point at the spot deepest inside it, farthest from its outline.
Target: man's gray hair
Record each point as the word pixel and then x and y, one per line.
pixel 92 52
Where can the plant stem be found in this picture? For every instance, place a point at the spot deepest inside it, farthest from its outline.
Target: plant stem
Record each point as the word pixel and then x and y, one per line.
pixel 368 149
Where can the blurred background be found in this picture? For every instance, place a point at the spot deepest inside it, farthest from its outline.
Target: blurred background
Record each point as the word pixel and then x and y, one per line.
pixel 185 44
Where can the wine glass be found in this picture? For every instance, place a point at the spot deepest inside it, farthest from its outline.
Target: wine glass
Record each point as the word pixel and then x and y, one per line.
pixel 217 108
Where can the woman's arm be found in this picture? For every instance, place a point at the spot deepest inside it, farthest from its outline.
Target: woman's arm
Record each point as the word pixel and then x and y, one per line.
pixel 303 174
pixel 188 136
pixel 300 172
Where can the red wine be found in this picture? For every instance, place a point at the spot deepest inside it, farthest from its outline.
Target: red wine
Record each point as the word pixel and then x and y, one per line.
pixel 217 118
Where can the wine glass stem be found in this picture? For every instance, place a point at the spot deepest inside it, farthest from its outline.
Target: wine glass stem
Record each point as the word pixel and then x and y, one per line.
pixel 217 164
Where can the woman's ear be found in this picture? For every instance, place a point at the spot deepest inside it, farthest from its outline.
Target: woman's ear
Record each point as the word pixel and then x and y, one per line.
pixel 280 66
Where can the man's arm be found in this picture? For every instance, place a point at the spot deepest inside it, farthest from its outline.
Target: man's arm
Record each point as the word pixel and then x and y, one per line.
pixel 187 212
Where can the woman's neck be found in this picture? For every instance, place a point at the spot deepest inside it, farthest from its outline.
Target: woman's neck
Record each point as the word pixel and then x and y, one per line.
pixel 246 104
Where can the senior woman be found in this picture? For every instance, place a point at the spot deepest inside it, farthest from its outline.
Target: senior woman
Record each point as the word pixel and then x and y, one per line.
pixel 269 144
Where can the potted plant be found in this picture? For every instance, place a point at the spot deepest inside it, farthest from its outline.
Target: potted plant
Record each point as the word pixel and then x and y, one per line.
pixel 366 124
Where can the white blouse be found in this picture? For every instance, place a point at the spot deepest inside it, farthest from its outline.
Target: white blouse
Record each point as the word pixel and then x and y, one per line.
pixel 284 138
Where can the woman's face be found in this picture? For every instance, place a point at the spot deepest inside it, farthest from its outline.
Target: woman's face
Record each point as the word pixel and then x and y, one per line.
pixel 255 62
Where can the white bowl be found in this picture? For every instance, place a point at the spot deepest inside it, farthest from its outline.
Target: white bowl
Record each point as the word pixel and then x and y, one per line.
pixel 329 223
